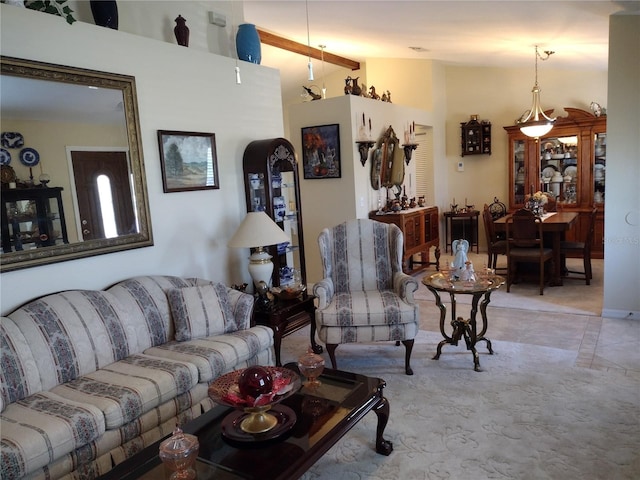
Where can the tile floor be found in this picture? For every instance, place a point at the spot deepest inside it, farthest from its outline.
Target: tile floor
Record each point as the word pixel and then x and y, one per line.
pixel 599 343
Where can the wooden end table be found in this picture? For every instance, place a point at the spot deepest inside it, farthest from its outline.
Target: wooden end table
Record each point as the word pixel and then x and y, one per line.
pixel 287 316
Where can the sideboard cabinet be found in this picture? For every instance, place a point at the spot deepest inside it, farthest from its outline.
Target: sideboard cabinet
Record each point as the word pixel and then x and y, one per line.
pixel 271 185
pixel 420 230
pixel 32 218
pixel 570 163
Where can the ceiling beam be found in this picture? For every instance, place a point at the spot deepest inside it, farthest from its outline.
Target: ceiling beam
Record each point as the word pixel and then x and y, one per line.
pixel 302 49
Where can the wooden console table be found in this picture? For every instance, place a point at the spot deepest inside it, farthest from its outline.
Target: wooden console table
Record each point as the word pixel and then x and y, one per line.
pixel 420 230
pixel 468 228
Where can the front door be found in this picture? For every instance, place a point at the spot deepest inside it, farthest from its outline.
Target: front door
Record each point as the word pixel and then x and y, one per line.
pixel 88 167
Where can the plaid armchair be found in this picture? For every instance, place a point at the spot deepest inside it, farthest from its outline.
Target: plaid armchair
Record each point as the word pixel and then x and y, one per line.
pixel 364 295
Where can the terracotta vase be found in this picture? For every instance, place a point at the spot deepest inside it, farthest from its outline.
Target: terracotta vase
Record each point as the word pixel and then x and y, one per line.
pixel 181 31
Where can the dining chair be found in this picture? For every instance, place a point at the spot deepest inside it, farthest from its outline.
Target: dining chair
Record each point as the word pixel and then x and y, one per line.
pixel 364 295
pixel 580 250
pixel 525 244
pixel 495 245
pixel 552 202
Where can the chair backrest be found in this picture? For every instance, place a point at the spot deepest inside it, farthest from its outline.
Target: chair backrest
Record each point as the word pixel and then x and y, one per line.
pixel 592 226
pixel 489 228
pixel 552 203
pixel 524 229
pixel 361 254
pixel 497 209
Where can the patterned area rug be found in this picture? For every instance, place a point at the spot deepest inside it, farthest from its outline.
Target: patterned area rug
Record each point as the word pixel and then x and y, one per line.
pixel 528 415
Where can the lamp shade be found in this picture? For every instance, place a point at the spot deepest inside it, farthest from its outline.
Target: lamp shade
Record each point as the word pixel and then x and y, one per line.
pixel 257 230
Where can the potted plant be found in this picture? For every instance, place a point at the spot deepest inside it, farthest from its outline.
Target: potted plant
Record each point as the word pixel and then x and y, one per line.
pixel 55 7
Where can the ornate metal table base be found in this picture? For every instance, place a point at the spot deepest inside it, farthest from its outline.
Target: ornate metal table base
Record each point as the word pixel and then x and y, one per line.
pixel 463 329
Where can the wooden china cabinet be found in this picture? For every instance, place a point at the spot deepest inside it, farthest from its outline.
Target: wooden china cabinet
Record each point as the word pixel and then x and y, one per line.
pixel 271 185
pixel 570 162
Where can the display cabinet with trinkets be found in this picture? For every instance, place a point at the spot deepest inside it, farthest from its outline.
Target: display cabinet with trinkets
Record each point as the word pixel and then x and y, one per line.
pixel 569 162
pixel 32 218
pixel 271 185
pixel 475 137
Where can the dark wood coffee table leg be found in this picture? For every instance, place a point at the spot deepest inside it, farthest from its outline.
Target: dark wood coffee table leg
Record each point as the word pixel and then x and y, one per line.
pixel 383 447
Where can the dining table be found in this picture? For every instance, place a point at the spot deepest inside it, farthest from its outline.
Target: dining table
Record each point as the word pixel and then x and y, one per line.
pixel 556 224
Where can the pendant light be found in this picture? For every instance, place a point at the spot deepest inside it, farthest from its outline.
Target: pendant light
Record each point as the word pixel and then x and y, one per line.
pixel 536 123
pixel 324 89
pixel 309 65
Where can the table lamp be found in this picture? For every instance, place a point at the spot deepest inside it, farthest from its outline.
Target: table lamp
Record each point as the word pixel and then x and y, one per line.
pixel 258 230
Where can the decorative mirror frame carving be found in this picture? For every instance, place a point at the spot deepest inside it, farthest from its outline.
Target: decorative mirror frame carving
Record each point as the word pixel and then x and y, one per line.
pixel 84 77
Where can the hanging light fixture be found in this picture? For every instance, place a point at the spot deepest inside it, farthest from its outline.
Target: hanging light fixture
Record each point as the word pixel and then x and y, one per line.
pixel 309 65
pixel 536 123
pixel 324 89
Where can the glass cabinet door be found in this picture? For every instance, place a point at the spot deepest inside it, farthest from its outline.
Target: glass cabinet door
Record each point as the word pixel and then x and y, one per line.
pixel 559 169
pixel 599 166
pixel 519 171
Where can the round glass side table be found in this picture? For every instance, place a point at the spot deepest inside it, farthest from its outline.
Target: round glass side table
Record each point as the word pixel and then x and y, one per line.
pixel 467 329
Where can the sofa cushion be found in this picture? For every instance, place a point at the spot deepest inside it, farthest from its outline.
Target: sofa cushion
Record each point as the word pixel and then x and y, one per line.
pixel 200 311
pixel 19 376
pixel 214 356
pixel 75 333
pixel 146 301
pixel 43 427
pixel 131 387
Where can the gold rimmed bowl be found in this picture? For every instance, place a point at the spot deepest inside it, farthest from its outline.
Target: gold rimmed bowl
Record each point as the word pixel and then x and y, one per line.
pixel 255 391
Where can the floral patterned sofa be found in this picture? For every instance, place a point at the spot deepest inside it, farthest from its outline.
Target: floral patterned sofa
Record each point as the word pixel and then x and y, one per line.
pixel 89 378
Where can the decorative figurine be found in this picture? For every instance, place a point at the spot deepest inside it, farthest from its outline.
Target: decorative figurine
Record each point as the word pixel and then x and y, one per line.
pixel 468 274
pixel 460 248
pixel 314 96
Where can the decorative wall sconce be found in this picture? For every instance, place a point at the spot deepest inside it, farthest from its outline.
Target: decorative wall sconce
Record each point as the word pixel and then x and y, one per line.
pixel 363 147
pixel 408 151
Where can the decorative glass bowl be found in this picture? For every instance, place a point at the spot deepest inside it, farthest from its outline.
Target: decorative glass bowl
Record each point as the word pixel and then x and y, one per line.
pixel 311 366
pixel 178 453
pixel 226 390
pixel 288 292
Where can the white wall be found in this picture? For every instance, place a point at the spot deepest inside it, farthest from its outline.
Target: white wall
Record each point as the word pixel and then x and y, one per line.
pixel 622 209
pixel 178 89
pixel 328 202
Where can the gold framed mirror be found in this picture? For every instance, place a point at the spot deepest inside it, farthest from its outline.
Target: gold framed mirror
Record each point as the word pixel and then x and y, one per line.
pixel 387 168
pixel 58 113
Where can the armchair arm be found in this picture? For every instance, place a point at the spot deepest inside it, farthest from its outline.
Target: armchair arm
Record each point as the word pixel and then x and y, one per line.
pixel 324 291
pixel 404 285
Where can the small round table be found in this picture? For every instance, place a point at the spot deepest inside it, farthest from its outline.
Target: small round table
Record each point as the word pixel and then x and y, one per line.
pixel 462 328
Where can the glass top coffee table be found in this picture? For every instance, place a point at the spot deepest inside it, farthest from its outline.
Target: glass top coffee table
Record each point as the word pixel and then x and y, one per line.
pixel 323 416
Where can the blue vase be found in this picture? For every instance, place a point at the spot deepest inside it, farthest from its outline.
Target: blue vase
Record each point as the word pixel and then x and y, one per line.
pixel 105 13
pixel 248 43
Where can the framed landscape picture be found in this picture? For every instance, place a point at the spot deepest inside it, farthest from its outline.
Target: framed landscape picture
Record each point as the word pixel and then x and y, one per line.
pixel 188 161
pixel 321 151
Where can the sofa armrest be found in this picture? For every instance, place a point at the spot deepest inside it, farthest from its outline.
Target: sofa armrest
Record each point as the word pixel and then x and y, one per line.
pixel 242 307
pixel 324 291
pixel 405 285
